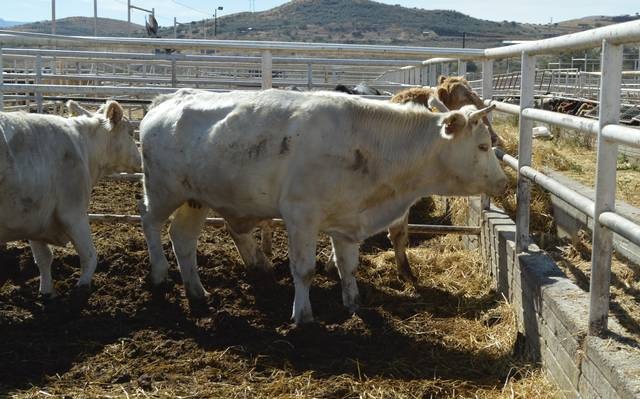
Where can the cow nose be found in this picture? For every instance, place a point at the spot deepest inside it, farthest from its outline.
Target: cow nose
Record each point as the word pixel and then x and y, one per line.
pixel 499 187
pixel 503 185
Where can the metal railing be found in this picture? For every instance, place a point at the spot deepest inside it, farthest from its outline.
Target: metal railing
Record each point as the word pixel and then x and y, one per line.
pixel 609 134
pixel 607 128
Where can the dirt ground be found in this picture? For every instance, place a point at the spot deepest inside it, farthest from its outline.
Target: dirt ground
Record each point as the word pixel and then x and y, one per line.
pixel 451 337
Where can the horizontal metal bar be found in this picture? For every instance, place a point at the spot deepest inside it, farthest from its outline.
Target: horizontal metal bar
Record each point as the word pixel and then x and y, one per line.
pixel 627 32
pixel 109 90
pixel 573 198
pixel 622 135
pixel 510 161
pixel 186 80
pixel 204 58
pixel 126 176
pixel 439 60
pixel 512 109
pixel 418 229
pixel 563 120
pixel 8 37
pixel 429 229
pixel 621 225
pixel 141 9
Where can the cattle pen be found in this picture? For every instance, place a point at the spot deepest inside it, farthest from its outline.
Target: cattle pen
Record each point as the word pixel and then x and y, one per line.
pixel 557 324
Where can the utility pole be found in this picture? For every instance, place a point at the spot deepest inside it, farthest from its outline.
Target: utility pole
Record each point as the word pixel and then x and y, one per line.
pixel 95 17
pixel 464 39
pixel 215 20
pixel 53 17
pixel 175 28
pixel 204 27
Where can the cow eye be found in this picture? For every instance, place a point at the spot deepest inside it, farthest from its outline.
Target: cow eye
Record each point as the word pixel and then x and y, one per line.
pixel 484 147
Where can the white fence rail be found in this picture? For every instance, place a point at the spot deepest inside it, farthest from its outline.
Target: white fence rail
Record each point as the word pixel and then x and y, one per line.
pixel 606 127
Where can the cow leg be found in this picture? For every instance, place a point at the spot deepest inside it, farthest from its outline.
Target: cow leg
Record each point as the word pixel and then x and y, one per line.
pixel 399 236
pixel 79 232
pixel 153 217
pixel 346 259
pixel 266 234
pixel 302 261
pixel 331 262
pixel 184 231
pixel 250 252
pixel 43 257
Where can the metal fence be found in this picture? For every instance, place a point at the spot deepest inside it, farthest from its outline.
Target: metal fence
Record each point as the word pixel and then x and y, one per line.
pixel 605 86
pixel 607 128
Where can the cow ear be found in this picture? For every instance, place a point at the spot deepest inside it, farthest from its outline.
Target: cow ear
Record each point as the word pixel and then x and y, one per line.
pixel 443 94
pixel 453 124
pixel 75 109
pixel 114 113
pixel 481 113
pixel 441 79
pixel 436 104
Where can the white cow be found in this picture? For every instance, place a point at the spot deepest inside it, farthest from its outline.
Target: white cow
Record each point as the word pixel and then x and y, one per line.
pixel 48 167
pixel 321 161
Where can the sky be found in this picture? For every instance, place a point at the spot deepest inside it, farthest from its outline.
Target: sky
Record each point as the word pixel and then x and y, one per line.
pixel 539 11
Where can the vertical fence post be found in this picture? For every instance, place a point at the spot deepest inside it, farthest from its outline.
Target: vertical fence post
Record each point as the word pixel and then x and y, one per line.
pixel 309 76
pixel 174 76
pixel 462 68
pixel 445 69
pixel 610 86
pixel 525 149
pixel 267 68
pixel 39 106
pixel 487 93
pixel 2 81
pixel 433 76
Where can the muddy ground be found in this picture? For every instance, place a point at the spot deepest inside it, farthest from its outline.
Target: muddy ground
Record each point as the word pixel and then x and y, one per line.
pixel 451 337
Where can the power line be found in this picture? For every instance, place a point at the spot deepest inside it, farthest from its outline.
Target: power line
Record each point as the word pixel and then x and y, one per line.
pixel 190 8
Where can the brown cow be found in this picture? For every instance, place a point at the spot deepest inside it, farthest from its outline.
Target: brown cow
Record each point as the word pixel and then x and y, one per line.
pixel 454 92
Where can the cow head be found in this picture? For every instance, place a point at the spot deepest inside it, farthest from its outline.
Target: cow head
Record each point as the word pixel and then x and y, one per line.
pixel 455 93
pixel 121 153
pixel 471 167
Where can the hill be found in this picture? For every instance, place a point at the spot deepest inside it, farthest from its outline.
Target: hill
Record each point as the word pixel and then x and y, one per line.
pixel 366 21
pixel 345 21
pixel 358 21
pixel 8 24
pixel 83 26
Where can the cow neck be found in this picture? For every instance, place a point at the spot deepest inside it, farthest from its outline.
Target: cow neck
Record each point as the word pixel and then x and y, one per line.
pixel 405 140
pixel 96 141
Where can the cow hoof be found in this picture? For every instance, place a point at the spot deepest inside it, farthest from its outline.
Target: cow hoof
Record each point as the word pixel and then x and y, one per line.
pixel 258 274
pixel 409 279
pixel 158 290
pixel 198 301
pixel 48 296
pixel 80 295
pixel 352 304
pixel 305 316
pixel 158 287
